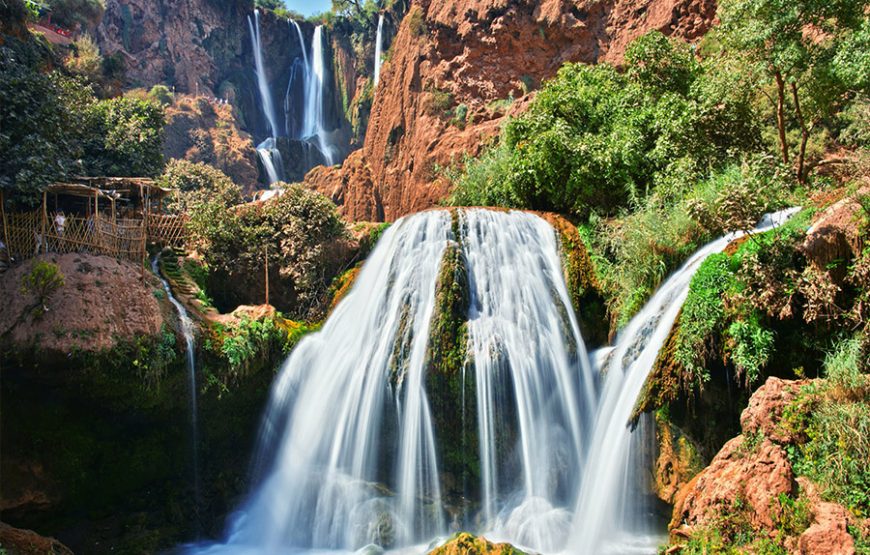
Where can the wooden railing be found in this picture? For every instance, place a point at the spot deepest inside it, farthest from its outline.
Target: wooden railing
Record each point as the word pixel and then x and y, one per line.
pixel 30 234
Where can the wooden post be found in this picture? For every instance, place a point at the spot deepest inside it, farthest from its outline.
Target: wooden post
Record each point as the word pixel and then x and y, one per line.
pixel 267 273
pixel 44 222
pixel 5 227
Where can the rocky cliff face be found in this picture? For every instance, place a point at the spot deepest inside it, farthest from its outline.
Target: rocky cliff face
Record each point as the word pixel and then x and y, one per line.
pixel 451 60
pixel 204 46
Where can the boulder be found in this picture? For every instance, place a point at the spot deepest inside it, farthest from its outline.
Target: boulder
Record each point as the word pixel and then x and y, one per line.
pixel 766 407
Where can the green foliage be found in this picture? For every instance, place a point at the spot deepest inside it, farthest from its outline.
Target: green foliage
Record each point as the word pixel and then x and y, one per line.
pixel 595 140
pixel 162 95
pixel 300 228
pixel 42 281
pixel 198 185
pixel 750 347
pixel 846 366
pixel 127 139
pixel 236 352
pixel 703 316
pixel 41 112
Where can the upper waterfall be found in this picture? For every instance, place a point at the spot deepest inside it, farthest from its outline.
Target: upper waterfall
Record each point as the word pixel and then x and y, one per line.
pixel 262 79
pixel 314 125
pixel 379 45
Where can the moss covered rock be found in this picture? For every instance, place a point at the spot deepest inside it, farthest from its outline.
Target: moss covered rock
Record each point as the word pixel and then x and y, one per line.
pixel 466 544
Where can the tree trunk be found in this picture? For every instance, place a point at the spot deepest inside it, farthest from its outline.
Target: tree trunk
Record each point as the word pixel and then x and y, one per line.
pixel 805 134
pixel 780 115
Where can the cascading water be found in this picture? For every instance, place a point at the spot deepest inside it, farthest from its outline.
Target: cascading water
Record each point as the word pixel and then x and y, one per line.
pixel 379 45
pixel 298 72
pixel 269 155
pixel 349 446
pixel 531 367
pixel 262 79
pixel 350 452
pixel 190 349
pixel 314 126
pixel 605 507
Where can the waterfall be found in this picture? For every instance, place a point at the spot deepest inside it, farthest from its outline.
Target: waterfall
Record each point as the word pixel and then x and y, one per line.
pixel 379 44
pixel 314 116
pixel 530 366
pixel 353 447
pixel 262 80
pixel 348 450
pixel 297 72
pixel 604 504
pixel 267 150
pixel 190 350
pixel 271 159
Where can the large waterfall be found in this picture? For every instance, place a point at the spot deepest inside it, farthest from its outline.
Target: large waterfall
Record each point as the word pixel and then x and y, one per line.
pixel 519 442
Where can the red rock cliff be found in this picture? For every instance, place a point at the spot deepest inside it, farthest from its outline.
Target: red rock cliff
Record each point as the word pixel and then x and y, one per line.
pixel 454 53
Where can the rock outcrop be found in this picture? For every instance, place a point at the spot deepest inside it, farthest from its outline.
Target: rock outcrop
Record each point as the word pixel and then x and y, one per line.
pixel 451 60
pixel 102 302
pixel 26 542
pixel 751 487
pixel 466 544
pixel 201 130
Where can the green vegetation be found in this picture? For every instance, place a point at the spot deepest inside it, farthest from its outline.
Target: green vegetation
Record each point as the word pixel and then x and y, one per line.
pixel 42 281
pixel 302 232
pixel 54 126
pixel 199 186
pixel 834 419
pixel 247 347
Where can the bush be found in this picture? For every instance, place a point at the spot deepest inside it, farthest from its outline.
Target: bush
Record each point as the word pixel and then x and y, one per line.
pixel 196 184
pixel 597 140
pixel 303 234
pixel 126 138
pixel 42 281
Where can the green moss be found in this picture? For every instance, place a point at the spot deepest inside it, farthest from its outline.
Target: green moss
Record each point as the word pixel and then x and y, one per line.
pixel 450 387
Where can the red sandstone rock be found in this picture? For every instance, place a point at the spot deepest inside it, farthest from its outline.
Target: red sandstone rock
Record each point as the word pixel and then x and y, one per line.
pixel 828 533
pixel 766 407
pixel 755 474
pixel 26 542
pixel 452 52
pixel 102 302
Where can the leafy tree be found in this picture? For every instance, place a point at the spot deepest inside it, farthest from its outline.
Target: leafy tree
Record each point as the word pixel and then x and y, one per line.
pixel 595 139
pixel 788 45
pixel 40 135
pixel 302 233
pixel 197 184
pixel 126 138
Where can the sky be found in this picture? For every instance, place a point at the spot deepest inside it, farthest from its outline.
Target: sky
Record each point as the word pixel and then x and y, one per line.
pixel 309 7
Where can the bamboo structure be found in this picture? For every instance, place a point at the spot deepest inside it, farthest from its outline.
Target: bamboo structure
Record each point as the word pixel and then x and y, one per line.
pixel 124 234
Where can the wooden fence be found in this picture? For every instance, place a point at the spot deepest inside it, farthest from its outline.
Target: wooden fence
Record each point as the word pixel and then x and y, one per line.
pixel 166 230
pixel 30 234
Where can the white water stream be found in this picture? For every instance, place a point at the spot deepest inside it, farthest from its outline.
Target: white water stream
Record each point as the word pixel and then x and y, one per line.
pixel 349 447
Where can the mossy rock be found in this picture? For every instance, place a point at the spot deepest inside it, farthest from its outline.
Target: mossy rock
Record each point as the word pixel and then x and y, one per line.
pixel 466 544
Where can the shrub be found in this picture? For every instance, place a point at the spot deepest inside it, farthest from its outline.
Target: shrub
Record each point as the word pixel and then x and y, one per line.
pixel 197 183
pixel 42 281
pixel 702 317
pixel 126 138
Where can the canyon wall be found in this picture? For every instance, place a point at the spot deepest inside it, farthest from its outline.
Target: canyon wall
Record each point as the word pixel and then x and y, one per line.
pixel 450 77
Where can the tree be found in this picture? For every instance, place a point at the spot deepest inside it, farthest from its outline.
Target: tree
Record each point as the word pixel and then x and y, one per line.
pixel 126 138
pixel 196 184
pixel 41 116
pixel 789 42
